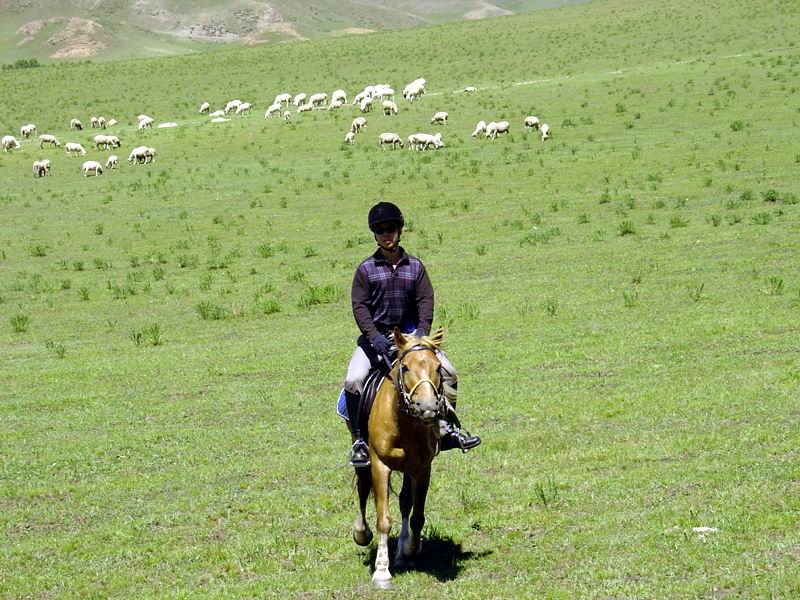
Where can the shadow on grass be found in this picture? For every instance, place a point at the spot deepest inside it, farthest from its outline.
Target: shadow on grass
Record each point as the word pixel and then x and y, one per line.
pixel 441 557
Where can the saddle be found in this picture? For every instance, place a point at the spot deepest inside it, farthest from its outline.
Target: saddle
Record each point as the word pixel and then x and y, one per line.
pixel 374 379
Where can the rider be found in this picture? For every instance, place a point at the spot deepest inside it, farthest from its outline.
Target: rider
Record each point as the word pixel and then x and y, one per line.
pixel 391 289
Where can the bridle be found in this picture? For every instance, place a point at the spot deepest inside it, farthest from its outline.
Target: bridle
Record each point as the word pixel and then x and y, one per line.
pixel 406 396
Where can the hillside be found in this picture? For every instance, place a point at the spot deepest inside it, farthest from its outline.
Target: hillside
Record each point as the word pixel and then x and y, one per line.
pixel 51 30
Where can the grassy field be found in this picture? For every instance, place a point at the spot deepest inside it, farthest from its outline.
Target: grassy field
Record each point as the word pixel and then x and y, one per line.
pixel 622 303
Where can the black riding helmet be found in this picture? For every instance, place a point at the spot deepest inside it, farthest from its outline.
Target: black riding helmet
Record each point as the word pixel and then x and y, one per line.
pixel 383 212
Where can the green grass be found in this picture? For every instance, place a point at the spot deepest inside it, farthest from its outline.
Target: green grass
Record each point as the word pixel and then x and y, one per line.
pixel 167 423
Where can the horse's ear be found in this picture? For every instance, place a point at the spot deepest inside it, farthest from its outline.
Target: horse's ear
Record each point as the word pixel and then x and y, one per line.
pixel 399 338
pixel 437 337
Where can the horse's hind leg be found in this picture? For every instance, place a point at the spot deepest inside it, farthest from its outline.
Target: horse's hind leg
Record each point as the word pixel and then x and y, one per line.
pixel 404 551
pixel 419 493
pixel 362 534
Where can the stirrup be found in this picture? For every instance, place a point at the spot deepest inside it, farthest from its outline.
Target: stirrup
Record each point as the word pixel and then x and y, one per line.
pixel 455 439
pixel 359 455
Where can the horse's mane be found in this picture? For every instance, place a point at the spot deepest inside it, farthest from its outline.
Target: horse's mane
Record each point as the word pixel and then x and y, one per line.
pixel 430 341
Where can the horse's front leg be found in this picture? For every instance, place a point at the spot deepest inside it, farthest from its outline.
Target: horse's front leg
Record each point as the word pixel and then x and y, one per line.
pixel 419 493
pixel 381 578
pixel 406 501
pixel 362 534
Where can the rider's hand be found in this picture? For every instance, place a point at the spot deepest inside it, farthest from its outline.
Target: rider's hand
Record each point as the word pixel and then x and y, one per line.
pixel 381 344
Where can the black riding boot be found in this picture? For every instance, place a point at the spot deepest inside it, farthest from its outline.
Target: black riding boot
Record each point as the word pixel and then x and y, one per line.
pixel 359 455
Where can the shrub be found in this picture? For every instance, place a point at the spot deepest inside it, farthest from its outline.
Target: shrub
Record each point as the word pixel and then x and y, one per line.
pixel 19 323
pixel 626 228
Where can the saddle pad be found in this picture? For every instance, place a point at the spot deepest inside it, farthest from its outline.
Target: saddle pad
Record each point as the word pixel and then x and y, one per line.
pixel 371 385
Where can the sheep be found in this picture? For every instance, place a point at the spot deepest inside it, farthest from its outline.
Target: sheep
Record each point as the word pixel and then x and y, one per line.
pixel 46 138
pixel 143 117
pixel 41 168
pixel 111 163
pixel 335 104
pixel 389 138
pixel 146 123
pixel 359 97
pixel 151 154
pixel 317 99
pixel 531 122
pixel 217 113
pixel 272 110
pixel 414 90
pixel 339 95
pixel 366 104
pixel 92 165
pixel 440 118
pixel 93 122
pixel 111 122
pixel 9 142
pixel 423 141
pixel 204 108
pixel 287 116
pixel 479 129
pixel 389 107
pixel 359 124
pixel 105 142
pixel 470 89
pixel 76 125
pixel 299 99
pixel 545 129
pixel 281 98
pixel 139 154
pixel 232 105
pixel 244 107
pixel 101 122
pixel 307 107
pixel 71 147
pixel 349 137
pixel 493 129
pixel 26 130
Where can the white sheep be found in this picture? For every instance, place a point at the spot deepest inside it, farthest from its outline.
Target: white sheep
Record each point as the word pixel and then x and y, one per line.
pixel 217 113
pixel 287 116
pixel 151 154
pixel 335 104
pixel 233 104
pixel 104 142
pixel 414 90
pixel 470 89
pixel 479 129
pixel 281 98
pixel 46 138
pixel 101 122
pixel 146 123
pixel 349 137
pixel 111 163
pixel 76 125
pixel 307 107
pixel 111 122
pixel 139 154
pixel 317 99
pixel 339 95
pixel 273 109
pixel 531 122
pixel 41 168
pixel 243 108
pixel 204 108
pixel 493 129
pixel 389 138
pixel 71 147
pixel 423 141
pixel 440 118
pixel 366 104
pixel 92 165
pixel 545 129
pixel 93 122
pixel 359 124
pixel 143 117
pixel 389 107
pixel 298 99
pixel 9 142
pixel 26 130
pixel 360 96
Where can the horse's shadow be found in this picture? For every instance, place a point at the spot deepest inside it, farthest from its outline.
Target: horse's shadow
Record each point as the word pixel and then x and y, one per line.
pixel 441 557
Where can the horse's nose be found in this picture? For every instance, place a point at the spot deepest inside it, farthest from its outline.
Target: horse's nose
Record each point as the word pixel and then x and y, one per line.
pixel 428 416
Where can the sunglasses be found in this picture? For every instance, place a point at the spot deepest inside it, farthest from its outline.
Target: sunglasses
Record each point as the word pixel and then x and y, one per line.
pixel 390 228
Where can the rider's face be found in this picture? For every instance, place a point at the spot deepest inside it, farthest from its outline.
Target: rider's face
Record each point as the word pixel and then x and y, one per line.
pixel 387 235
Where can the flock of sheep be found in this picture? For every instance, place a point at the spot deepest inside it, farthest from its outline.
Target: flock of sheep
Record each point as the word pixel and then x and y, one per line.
pixel 319 101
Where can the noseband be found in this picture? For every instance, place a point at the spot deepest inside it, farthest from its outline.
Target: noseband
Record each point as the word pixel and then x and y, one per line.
pixel 406 396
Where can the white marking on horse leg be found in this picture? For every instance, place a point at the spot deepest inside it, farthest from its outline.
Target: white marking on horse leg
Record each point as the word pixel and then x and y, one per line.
pixel 381 578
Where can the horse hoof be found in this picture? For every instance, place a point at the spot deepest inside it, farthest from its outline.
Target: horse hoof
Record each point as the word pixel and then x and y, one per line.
pixel 381 583
pixel 362 538
pixel 403 563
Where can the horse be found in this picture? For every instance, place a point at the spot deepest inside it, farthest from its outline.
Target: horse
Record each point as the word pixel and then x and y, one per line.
pixel 403 436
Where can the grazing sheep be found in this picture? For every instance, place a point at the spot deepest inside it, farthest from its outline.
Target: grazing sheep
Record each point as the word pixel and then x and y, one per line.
pixel 545 129
pixel 359 124
pixel 366 104
pixel 243 108
pixel 317 99
pixel 46 138
pixel 26 130
pixel 389 107
pixel 440 118
pixel 414 90
pixel 151 154
pixel 111 163
pixel 233 104
pixel 146 123
pixel 307 107
pixel 493 129
pixel 360 96
pixel 139 154
pixel 92 165
pixel 299 99
pixel 93 122
pixel 9 142
pixel 71 147
pixel 76 125
pixel 281 98
pixel 470 89
pixel 217 113
pixel 349 137
pixel 101 122
pixel 273 109
pixel 287 116
pixel 111 122
pixel 204 107
pixel 41 168
pixel 479 129
pixel 339 95
pixel 385 93
pixel 423 141
pixel 389 138
pixel 105 142
pixel 143 117
pixel 532 123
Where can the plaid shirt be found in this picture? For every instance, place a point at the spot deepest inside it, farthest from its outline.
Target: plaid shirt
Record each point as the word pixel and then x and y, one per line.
pixel 384 297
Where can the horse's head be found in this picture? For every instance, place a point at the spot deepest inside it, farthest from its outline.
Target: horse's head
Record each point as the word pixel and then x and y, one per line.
pixel 419 380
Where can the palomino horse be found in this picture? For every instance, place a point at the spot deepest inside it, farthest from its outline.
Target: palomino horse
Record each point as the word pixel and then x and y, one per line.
pixel 403 436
